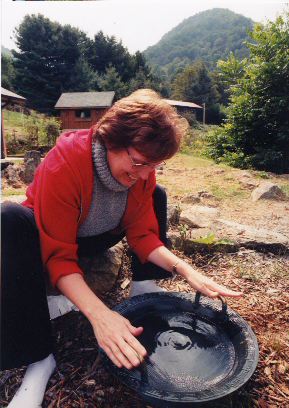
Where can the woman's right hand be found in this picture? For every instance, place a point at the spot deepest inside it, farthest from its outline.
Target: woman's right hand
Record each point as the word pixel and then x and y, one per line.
pixel 117 337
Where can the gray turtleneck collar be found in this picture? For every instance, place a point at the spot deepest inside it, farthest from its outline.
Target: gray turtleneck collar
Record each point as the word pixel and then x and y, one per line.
pixel 108 197
pixel 99 154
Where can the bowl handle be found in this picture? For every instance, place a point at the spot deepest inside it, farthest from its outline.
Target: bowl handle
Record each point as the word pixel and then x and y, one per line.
pixel 223 313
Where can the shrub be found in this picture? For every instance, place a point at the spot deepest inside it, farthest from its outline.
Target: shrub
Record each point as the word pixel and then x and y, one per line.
pixel 256 132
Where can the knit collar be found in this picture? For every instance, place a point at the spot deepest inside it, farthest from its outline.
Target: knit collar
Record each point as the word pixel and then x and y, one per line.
pixel 99 154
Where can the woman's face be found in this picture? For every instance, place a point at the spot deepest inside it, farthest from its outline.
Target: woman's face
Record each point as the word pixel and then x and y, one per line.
pixel 125 166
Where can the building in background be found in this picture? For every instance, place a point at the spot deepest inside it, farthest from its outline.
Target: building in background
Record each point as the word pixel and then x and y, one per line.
pixel 81 110
pixel 8 98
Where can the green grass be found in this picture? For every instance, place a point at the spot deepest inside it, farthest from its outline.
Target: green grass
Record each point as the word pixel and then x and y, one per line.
pixel 13 192
pixel 227 191
pixel 285 189
pixel 13 119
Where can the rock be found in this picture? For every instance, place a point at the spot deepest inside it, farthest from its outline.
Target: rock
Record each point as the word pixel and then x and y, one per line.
pixel 198 216
pixel 32 160
pixel 268 190
pixel 229 235
pixel 189 246
pixel 173 214
pixel 190 199
pixel 247 181
pixel 101 271
pixel 219 171
pixel 205 194
pixel 5 163
pixel 247 235
pixel 13 174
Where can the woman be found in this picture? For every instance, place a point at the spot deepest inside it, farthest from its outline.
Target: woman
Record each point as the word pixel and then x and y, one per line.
pixel 92 188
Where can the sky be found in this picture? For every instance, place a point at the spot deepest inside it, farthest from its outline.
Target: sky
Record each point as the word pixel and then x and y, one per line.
pixel 137 23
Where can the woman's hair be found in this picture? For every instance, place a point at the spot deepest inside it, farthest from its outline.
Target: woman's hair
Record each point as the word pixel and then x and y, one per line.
pixel 143 121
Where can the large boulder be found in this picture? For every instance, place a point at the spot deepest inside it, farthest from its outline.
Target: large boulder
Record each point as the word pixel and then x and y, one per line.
pixel 199 216
pixel 250 236
pixel 269 191
pixel 100 271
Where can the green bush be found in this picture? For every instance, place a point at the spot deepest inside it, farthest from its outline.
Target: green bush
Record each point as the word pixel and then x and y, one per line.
pixel 52 130
pixel 256 131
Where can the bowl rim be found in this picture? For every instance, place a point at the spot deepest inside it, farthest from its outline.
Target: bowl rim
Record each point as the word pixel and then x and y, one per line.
pixel 222 388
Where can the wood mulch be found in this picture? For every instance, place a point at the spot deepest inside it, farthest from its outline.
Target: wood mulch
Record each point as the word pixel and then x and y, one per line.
pixel 81 380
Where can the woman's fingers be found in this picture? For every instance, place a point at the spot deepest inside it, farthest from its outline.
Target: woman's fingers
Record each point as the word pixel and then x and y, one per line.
pixel 223 291
pixel 116 336
pixel 210 288
pixel 136 346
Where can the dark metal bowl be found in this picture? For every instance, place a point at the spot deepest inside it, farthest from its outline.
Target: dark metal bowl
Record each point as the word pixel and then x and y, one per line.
pixel 198 349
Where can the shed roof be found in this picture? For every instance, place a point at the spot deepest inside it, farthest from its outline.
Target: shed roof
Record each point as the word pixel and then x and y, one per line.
pixel 8 95
pixel 183 104
pixel 85 100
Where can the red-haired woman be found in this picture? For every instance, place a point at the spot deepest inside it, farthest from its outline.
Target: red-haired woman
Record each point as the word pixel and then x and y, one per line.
pixel 92 189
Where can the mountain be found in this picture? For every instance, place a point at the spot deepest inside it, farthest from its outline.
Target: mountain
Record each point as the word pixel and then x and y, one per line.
pixel 209 35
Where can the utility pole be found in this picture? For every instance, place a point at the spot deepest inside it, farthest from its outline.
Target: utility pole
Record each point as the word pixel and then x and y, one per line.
pixel 204 113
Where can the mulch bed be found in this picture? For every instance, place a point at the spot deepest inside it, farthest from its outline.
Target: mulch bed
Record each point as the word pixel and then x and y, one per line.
pixel 81 380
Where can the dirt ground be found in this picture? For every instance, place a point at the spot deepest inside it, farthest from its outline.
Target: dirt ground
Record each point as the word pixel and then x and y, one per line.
pixel 81 379
pixel 230 190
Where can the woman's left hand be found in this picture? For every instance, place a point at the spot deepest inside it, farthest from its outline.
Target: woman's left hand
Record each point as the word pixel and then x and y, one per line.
pixel 164 258
pixel 206 285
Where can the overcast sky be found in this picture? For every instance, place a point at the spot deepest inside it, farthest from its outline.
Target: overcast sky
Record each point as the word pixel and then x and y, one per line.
pixel 138 23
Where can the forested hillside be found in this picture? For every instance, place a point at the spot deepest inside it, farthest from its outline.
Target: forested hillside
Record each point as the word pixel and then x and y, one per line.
pixel 209 35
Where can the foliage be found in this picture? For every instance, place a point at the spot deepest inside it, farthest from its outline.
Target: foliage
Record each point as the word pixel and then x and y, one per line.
pixel 47 57
pixel 7 71
pixel 111 80
pixel 209 35
pixel 41 130
pixel 195 84
pixel 33 131
pixel 195 139
pixel 256 132
pixel 52 130
pixel 53 59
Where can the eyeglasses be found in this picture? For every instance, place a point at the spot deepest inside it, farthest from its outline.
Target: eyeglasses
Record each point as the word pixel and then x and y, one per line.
pixel 140 166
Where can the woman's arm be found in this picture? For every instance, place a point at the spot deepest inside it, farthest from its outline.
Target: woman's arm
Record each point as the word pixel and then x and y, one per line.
pixel 114 334
pixel 164 258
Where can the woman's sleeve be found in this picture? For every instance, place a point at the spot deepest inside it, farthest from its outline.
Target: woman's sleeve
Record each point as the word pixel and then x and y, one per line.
pixel 57 211
pixel 143 234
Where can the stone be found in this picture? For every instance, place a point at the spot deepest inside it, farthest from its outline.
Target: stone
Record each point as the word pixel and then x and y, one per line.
pixel 268 191
pixel 247 181
pixel 13 174
pixel 173 214
pixel 247 235
pixel 32 160
pixel 198 216
pixel 101 271
pixel 205 194
pixel 190 199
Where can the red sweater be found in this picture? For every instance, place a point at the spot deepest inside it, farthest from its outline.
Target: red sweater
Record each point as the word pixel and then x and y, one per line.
pixel 60 195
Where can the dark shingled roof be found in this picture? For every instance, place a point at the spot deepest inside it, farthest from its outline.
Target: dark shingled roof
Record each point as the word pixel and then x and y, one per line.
pixel 85 100
pixel 183 104
pixel 6 93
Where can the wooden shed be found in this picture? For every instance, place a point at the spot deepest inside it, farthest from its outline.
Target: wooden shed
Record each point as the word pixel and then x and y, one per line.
pixel 182 106
pixel 8 98
pixel 80 110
